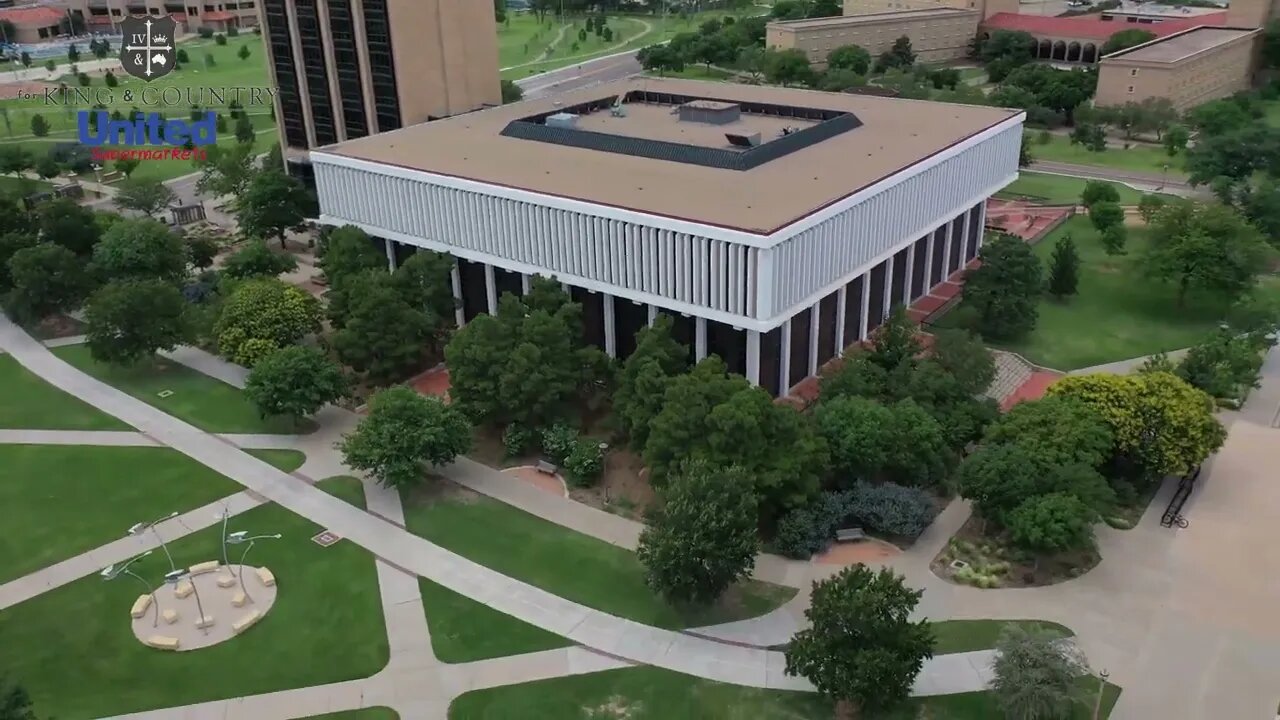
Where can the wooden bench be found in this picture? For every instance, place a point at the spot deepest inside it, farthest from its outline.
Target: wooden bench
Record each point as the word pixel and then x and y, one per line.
pixel 266 577
pixel 183 590
pixel 204 622
pixel 140 606
pixel 170 616
pixel 205 567
pixel 850 535
pixel 239 599
pixel 245 622
pixel 226 579
pixel 163 642
pixel 545 467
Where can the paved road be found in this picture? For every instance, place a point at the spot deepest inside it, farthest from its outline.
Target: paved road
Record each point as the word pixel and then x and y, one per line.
pixel 1174 183
pixel 574 77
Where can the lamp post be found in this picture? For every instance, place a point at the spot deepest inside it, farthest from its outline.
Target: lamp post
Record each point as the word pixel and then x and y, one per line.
pixel 173 577
pixel 243 538
pixel 141 528
pixel 111 572
pixel 1102 688
pixel 225 516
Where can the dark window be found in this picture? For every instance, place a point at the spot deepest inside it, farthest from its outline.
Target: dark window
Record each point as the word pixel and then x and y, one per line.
pixel 827 327
pixel 853 310
pixel 938 271
pixel 770 360
pixel 730 344
pixel 347 66
pixel 507 282
pixel 295 132
pixel 592 315
pixel 683 331
pixel 975 231
pixel 314 69
pixel 899 284
pixel 475 298
pixel 628 319
pixel 382 67
pixel 875 305
pixel 799 369
pixel 921 252
pixel 957 245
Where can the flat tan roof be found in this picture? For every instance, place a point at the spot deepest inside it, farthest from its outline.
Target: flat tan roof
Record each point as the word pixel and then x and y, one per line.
pixel 655 122
pixel 864 18
pixel 1173 48
pixel 894 135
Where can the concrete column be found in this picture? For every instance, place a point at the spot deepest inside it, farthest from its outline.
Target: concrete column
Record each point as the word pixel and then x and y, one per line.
pixel 653 314
pixel 911 269
pixel 455 276
pixel 610 330
pixel 815 317
pixel 753 356
pixel 525 282
pixel 699 338
pixel 842 296
pixel 389 246
pixel 928 263
pixel 982 225
pixel 946 249
pixel 784 360
pixel 888 289
pixel 866 306
pixel 491 289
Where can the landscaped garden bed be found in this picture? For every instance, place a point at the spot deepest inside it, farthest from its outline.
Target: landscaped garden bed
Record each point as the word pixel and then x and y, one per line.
pixel 973 557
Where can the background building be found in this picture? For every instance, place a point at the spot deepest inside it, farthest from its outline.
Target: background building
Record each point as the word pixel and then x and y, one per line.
pixel 775 225
pixel 937 33
pixel 103 16
pixel 350 68
pixel 1189 68
pixel 1080 39
pixel 32 24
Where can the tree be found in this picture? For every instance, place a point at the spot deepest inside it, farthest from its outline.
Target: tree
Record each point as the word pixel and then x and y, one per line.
pixel 1175 139
pixel 703 537
pixel 1160 424
pixel 245 134
pixel 824 8
pixel 1008 45
pixel 45 279
pixel 243 52
pixel 130 320
pixel 201 252
pixel 346 251
pixel 14 159
pixel 1113 239
pixel 1224 364
pixel 425 281
pixel 73 53
pixel 39 126
pixel 383 336
pixel 787 67
pixel 660 58
pixel 899 55
pixel 1056 522
pixel 849 57
pixel 1149 205
pixel 642 382
pixel 64 222
pixel 511 92
pixel 142 248
pixel 257 260
pixel 868 441
pixel 145 196
pixel 999 477
pixel 1059 430
pixel 1064 268
pixel 272 204
pixel 262 316
pixel 1096 191
pixel 1126 39
pixel 963 356
pixel 225 169
pixel 15 703
pixel 861 648
pixel 1091 136
pixel 1004 290
pixel 1036 674
pixel 1207 248
pixel 838 80
pixel 402 431
pixel 1104 215
pixel 47 167
pixel 296 382
pixel 11 243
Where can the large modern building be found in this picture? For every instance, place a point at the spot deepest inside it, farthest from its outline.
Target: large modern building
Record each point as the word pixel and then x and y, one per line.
pixel 1080 39
pixel 1189 68
pixel 31 24
pixel 775 225
pixel 350 68
pixel 937 33
pixel 104 16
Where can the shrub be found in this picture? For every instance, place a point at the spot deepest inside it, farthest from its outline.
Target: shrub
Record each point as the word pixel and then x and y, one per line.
pixel 233 31
pixel 889 508
pixel 205 32
pixel 219 39
pixel 558 441
pixel 794 537
pixel 516 440
pixel 584 463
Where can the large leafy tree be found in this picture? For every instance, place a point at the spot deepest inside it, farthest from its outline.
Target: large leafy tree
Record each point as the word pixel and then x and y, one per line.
pixel 1036 674
pixel 11 243
pixel 868 441
pixel 703 537
pixel 642 382
pixel 861 648
pixel 849 57
pixel 787 67
pixel 998 478
pixel 402 431
pixel 1208 248
pixel 1055 522
pixel 225 169
pixel 1004 291
pixel 1013 46
pixel 1225 363
pixel 272 204
pixel 262 316
pixel 348 250
pixel 145 196
pixel 425 281
pixel 1061 429
pixel 46 279
pixel 1126 39
pixel 295 382
pixel 257 260
pixel 138 249
pixel 129 320
pixel 965 358
pixel 15 703
pixel 64 222
pixel 1160 424
pixel 1064 268
pixel 383 336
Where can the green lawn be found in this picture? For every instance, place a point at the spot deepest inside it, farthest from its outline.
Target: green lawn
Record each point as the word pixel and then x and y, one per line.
pixel 957 636
pixel 209 404
pixel 376 713
pixel 74 652
pixel 1118 312
pixel 1141 158
pixel 23 186
pixel 522 39
pixel 286 460
pixel 568 563
pixel 648 693
pixel 463 630
pixel 30 402
pixel 1060 189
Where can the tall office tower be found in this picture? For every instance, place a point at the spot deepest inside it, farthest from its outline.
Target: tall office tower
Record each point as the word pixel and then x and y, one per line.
pixel 350 68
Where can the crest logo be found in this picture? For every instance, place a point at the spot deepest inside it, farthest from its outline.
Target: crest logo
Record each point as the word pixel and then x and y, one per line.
pixel 147 51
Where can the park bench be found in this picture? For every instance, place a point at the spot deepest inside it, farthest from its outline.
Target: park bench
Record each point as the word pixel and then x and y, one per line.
pixel 163 642
pixel 140 606
pixel 207 566
pixel 545 467
pixel 265 576
pixel 245 622
pixel 112 176
pixel 850 535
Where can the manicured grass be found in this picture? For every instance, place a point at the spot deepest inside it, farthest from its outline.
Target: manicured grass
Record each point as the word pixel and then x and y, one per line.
pixel 1140 158
pixel 1060 189
pixel 376 713
pixel 74 652
pixel 31 403
pixel 209 404
pixel 68 499
pixel 286 460
pixel 1118 312
pixel 957 636
pixel 463 630
pixel 523 39
pixel 25 186
pixel 648 693
pixel 568 563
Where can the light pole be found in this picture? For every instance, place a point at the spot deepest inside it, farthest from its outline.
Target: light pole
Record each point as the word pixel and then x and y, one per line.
pixel 1102 688
pixel 240 538
pixel 111 572
pixel 173 577
pixel 141 528
pixel 225 516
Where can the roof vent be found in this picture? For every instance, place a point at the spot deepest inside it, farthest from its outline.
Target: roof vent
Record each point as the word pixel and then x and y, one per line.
pixel 714 112
pixel 743 141
pixel 567 121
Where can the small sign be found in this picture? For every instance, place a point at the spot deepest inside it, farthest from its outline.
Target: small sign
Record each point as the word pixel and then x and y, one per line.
pixel 164 393
pixel 325 538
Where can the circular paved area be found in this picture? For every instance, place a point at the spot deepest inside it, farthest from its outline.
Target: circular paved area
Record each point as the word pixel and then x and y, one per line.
pixel 865 551
pixel 217 603
pixel 553 484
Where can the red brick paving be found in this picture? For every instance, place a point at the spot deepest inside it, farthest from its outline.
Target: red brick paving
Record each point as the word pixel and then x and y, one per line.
pixel 432 383
pixel 1033 389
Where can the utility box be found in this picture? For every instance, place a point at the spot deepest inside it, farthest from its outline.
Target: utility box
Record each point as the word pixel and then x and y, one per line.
pixel 712 112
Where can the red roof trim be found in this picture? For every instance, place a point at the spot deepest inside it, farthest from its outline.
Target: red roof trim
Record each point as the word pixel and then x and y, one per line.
pixel 218 15
pixel 1093 27
pixel 41 16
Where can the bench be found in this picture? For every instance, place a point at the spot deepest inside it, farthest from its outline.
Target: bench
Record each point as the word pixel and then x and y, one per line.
pixel 239 599
pixel 183 590
pixel 140 606
pixel 163 642
pixel 850 535
pixel 205 567
pixel 226 580
pixel 245 622
pixel 170 616
pixel 545 468
pixel 204 622
pixel 266 577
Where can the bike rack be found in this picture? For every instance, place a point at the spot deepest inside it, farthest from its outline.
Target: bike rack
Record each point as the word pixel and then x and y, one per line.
pixel 1173 513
